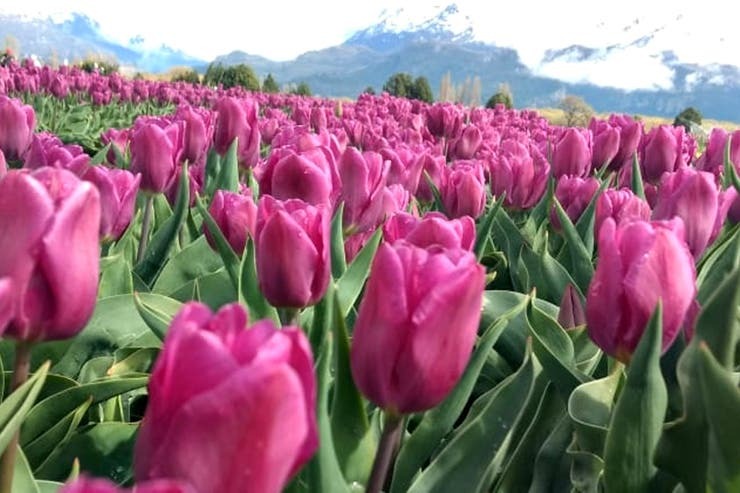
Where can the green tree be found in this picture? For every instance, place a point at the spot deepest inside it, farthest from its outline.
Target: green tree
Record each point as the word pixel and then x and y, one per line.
pixel 303 89
pixel 421 90
pixel 187 75
pixel 269 84
pixel 399 84
pixel 502 96
pixel 369 90
pixel 689 118
pixel 577 112
pixel 232 76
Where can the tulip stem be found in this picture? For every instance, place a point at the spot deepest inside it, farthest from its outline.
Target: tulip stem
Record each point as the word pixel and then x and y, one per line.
pixel 145 225
pixel 288 316
pixel 386 450
pixel 20 375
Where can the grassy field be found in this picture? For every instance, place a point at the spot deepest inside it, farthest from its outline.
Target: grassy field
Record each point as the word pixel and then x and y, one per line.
pixel 556 117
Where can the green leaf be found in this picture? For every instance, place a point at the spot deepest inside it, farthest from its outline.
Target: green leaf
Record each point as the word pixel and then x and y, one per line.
pixel 637 421
pixel 586 470
pixel 338 259
pixel 585 224
pixel 213 169
pixel 115 277
pixel 157 312
pixel 165 237
pixel 228 176
pixel 39 448
pixel 462 464
pixel 730 173
pixel 104 449
pixel 193 262
pixel 140 360
pixel 100 156
pixel 23 480
pixel 545 273
pixel 590 409
pixel 718 325
pixel 439 421
pixel 14 409
pixel 508 238
pixel 228 256
pixel 722 258
pixel 638 188
pixel 49 486
pixel 551 472
pixel 486 226
pixel 722 407
pixel 349 423
pixel 324 472
pixel 54 408
pixel 249 290
pixel 581 266
pixel 554 349
pixel 438 204
pixel 350 285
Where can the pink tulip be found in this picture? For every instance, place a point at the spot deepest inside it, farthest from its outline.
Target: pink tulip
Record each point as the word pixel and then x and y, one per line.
pixel 48 150
pixel 713 159
pixel 49 229
pixel 292 249
pixel 231 408
pixel 17 123
pixel 119 139
pixel 463 190
pixel 237 118
pixel 363 176
pixel 630 135
pixel 416 325
pixel 520 172
pixel 118 189
pixel 571 314
pixel 198 132
pixel 467 144
pixel 433 229
pixel 95 485
pixel 605 143
pixel 307 176
pixel 3 165
pixel 236 216
pixel 572 154
pixel 639 264
pixel 155 153
pixel 574 195
pixel 663 149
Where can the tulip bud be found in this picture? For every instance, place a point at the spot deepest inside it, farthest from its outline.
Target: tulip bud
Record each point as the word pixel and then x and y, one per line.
pixel 49 239
pixel 621 205
pixel 664 149
pixel 713 159
pixel 572 313
pixel 17 123
pixel 572 153
pixel 463 190
pixel 117 138
pixel 292 248
pixel 363 176
pixel 221 397
pixel 416 325
pixel 3 165
pixel 118 189
pixel 48 150
pixel 236 216
pixel 433 229
pixel 289 175
pixel 520 172
pixel 574 195
pixel 97 485
pixel 467 144
pixel 605 143
pixel 238 118
pixel 640 263
pixel 155 153
pixel 630 135
pixel 198 133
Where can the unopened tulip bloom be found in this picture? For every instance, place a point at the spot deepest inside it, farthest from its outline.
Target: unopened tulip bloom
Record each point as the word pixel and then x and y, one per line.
pixel 467 144
pixel 155 154
pixel 574 194
pixel 432 229
pixel 118 189
pixel 630 135
pixel 661 151
pixel 640 263
pixel 232 409
pixel 605 142
pixel 17 123
pixel 416 325
pixel 98 485
pixel 118 139
pixel 713 159
pixel 49 229
pixel 198 132
pixel 292 249
pixel 520 172
pixel 3 164
pixel 621 205
pixel 237 118
pixel 6 302
pixel 363 176
pixel 694 197
pixel 571 155
pixel 48 150
pixel 463 191
pixel 307 176
pixel 236 216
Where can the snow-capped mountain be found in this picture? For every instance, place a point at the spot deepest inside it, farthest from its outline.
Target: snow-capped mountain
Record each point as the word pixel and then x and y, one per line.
pixel 76 36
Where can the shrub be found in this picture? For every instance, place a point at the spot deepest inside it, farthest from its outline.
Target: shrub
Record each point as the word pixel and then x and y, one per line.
pixel 689 118
pixel 270 85
pixel 577 112
pixel 232 76
pixel 502 96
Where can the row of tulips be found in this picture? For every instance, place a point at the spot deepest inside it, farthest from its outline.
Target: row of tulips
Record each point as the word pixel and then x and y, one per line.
pixel 295 196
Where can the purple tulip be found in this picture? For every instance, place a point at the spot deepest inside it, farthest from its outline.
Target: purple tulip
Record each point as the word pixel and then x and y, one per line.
pixel 713 159
pixel 6 302
pixel 292 249
pixel 363 176
pixel 236 216
pixel 694 197
pixel 662 150
pixel 574 194
pixel 630 135
pixel 467 144
pixel 444 120
pixel 519 172
pixel 221 398
pixel 48 150
pixel 307 176
pixel 640 263
pixel 605 143
pixel 463 190
pixel 416 325
pixel 238 118
pixel 49 238
pixel 3 165
pixel 155 153
pixel 119 139
pixel 198 132
pixel 431 165
pixel 572 153
pixel 118 189
pixel 17 123
pixel 97 485
pixel 433 229
pixel 622 206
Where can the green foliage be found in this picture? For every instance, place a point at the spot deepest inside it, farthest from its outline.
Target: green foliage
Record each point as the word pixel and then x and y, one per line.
pixel 399 84
pixel 188 75
pixel 688 118
pixel 421 90
pixel 270 84
pixel 369 90
pixel 302 89
pixel 101 66
pixel 577 112
pixel 502 96
pixel 232 76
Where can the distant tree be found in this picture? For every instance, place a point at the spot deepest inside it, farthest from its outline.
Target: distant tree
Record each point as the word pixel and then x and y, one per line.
pixel 502 96
pixel 399 84
pixel 447 88
pixel 270 85
pixel 303 89
pixel 689 118
pixel 232 76
pixel 185 75
pixel 421 90
pixel 577 112
pixel 369 90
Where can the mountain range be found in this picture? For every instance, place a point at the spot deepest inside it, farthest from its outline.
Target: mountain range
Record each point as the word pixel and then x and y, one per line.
pixel 632 66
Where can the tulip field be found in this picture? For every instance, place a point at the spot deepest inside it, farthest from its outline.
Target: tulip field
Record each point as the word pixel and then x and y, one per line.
pixel 206 290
